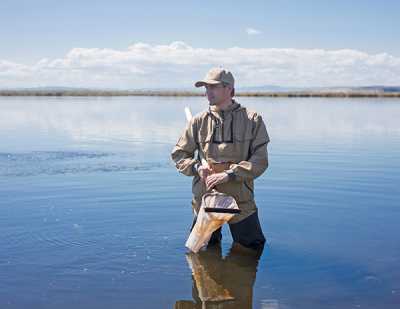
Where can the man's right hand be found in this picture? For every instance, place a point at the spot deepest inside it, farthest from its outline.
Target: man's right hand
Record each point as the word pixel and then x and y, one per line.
pixel 204 171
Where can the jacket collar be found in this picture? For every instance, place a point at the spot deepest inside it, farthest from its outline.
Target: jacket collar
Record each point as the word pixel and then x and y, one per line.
pixel 234 106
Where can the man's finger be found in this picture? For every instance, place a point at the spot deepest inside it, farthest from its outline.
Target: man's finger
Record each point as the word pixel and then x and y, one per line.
pixel 210 182
pixel 213 179
pixel 210 178
pixel 211 186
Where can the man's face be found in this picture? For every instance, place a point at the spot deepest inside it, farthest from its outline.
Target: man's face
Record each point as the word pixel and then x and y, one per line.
pixel 217 94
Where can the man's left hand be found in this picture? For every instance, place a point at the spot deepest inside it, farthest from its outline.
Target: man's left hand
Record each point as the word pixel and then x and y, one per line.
pixel 215 179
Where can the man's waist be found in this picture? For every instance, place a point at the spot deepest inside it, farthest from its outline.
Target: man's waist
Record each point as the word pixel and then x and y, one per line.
pixel 220 166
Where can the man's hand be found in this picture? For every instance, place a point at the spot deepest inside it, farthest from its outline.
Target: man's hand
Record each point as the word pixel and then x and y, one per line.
pixel 204 171
pixel 215 179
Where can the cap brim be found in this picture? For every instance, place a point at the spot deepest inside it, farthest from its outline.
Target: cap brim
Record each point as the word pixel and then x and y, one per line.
pixel 202 83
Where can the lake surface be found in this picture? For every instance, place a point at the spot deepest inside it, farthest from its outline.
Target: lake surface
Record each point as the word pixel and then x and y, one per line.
pixel 94 215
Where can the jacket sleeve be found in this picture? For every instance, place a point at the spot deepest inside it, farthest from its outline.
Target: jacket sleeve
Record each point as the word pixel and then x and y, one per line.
pixel 183 152
pixel 257 161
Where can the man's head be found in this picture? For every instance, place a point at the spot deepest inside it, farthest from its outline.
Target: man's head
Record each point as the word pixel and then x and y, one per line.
pixel 219 84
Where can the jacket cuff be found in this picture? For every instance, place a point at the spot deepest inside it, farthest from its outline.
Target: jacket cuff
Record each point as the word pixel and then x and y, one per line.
pixel 231 175
pixel 195 168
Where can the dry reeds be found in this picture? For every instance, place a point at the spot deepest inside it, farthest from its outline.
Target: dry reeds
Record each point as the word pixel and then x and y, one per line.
pixel 109 93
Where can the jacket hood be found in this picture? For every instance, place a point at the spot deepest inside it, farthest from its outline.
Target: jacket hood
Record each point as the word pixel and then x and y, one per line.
pixel 235 106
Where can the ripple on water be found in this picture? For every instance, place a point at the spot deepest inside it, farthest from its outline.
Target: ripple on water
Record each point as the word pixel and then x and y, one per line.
pixel 70 162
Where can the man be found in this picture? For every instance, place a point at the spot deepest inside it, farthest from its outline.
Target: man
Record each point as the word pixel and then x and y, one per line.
pixel 233 141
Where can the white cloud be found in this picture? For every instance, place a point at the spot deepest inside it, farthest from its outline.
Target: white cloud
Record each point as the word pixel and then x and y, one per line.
pixel 252 31
pixel 179 65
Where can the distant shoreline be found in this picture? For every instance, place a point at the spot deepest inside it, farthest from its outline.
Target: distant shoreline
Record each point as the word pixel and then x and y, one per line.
pixel 111 93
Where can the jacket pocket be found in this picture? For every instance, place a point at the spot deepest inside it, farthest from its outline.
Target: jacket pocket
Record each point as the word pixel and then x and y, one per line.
pixel 242 133
pixel 198 187
pixel 249 190
pixel 239 190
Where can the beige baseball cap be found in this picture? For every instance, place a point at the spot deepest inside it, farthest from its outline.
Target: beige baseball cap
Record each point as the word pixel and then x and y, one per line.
pixel 217 76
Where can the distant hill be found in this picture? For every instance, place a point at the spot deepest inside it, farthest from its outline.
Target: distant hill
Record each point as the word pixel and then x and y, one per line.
pixel 278 89
pixel 381 88
pixel 267 88
pixel 48 88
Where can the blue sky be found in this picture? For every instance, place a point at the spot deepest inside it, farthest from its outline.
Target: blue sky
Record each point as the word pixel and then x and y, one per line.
pixel 33 30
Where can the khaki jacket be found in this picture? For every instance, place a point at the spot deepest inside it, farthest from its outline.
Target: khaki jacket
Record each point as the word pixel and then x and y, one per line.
pixel 236 137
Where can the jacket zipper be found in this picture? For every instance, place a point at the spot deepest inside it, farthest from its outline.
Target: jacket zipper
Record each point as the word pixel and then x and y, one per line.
pixel 222 126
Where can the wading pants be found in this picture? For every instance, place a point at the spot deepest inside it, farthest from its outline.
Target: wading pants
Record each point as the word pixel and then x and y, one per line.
pixel 247 232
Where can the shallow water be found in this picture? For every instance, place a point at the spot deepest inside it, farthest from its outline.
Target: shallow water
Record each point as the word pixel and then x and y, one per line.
pixel 93 213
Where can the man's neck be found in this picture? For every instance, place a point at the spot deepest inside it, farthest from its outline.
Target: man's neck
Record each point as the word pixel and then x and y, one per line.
pixel 225 105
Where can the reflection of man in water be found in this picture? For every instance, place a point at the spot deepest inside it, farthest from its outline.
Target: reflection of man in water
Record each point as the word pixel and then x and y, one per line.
pixel 233 140
pixel 222 282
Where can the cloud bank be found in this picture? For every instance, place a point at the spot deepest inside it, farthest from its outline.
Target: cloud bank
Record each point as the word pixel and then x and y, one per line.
pixel 252 31
pixel 178 65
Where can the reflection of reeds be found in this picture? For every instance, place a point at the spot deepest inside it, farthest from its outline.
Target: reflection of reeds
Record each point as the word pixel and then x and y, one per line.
pixel 108 93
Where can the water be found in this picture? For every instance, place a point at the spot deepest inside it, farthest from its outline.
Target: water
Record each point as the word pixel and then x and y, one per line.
pixel 93 213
